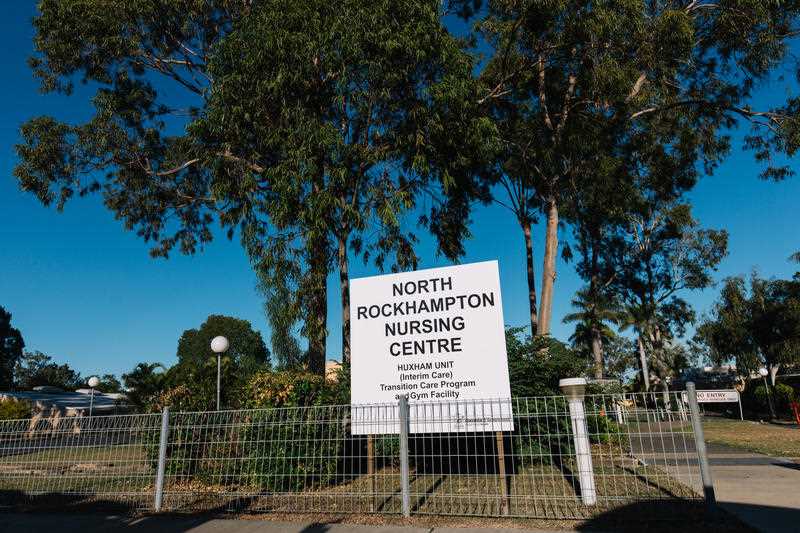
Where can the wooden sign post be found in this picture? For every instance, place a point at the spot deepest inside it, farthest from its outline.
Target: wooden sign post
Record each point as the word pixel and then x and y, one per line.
pixel 501 469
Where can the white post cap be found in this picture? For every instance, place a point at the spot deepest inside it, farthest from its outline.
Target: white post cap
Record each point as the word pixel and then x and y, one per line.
pixel 573 388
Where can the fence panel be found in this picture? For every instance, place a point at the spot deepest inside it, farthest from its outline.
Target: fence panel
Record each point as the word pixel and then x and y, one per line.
pixel 307 459
pixel 79 460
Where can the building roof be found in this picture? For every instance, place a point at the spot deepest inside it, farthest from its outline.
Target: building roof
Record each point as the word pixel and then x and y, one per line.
pixel 66 400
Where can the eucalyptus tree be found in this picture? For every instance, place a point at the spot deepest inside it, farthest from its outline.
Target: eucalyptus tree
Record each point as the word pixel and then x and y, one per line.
pixel 293 124
pixel 569 67
pixel 343 101
pixel 598 202
pixel 661 253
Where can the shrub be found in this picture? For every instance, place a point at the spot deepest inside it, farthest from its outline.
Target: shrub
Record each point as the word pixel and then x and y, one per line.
pixel 13 409
pixel 602 430
pixel 309 412
pixel 536 365
pixel 179 398
pixel 287 389
pixel 782 397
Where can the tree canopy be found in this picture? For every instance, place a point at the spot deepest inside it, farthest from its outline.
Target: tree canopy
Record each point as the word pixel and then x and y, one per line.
pixel 638 83
pixel 756 326
pixel 36 369
pixel 197 365
pixel 320 133
pixel 328 126
pixel 11 346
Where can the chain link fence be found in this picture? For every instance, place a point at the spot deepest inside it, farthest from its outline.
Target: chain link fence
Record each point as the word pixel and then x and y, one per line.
pixel 463 458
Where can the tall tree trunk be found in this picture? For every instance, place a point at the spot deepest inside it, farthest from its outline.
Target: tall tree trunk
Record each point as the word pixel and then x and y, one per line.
pixel 773 373
pixel 344 293
pixel 597 352
pixel 643 362
pixel 315 327
pixel 665 394
pixel 549 270
pixel 526 228
pixel 597 338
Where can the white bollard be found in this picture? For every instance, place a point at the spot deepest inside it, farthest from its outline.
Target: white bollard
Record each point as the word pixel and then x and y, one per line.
pixel 574 389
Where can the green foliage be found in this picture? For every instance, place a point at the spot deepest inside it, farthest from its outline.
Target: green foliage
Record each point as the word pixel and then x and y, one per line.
pixel 330 126
pixel 143 382
pixel 754 326
pixel 109 383
pixel 247 349
pixel 177 398
pixel 782 397
pixel 288 389
pixel 602 430
pixel 11 346
pixel 197 364
pixel 659 255
pixel 535 366
pixel 35 369
pixel 13 409
pixel 296 438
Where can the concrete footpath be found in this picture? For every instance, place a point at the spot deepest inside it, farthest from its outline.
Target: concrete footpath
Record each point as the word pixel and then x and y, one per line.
pixel 762 491
pixel 98 523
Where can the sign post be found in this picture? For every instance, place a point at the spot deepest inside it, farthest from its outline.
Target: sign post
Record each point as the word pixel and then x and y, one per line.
pixel 435 336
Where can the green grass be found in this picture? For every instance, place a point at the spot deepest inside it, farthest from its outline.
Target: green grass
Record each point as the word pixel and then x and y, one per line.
pixel 74 470
pixel 769 439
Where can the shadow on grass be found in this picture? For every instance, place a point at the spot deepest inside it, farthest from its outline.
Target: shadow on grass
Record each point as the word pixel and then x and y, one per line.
pixel 87 514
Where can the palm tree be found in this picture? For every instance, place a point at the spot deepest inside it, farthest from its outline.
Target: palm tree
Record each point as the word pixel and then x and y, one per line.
pixel 145 380
pixel 594 312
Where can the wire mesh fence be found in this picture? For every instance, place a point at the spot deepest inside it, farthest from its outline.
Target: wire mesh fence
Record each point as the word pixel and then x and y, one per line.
pixel 464 458
pixel 91 459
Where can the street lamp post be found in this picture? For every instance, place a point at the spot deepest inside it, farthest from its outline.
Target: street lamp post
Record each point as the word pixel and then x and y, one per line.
pixel 219 345
pixel 93 382
pixel 763 373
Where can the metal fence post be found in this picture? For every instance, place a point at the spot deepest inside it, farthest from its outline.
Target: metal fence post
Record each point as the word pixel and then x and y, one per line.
pixel 162 459
pixel 404 427
pixel 700 444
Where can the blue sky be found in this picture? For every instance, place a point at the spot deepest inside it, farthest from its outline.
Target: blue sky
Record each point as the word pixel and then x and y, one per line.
pixel 85 291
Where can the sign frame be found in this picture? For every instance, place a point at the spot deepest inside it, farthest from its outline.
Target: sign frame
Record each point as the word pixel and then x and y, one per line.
pixel 718 396
pixel 427 334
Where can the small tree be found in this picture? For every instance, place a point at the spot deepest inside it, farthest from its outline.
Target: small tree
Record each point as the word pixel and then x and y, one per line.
pixel 109 383
pixel 143 382
pixel 534 375
pixel 592 330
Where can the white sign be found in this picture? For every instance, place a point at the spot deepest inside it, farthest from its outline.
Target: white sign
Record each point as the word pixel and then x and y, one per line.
pixel 436 335
pixel 717 396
